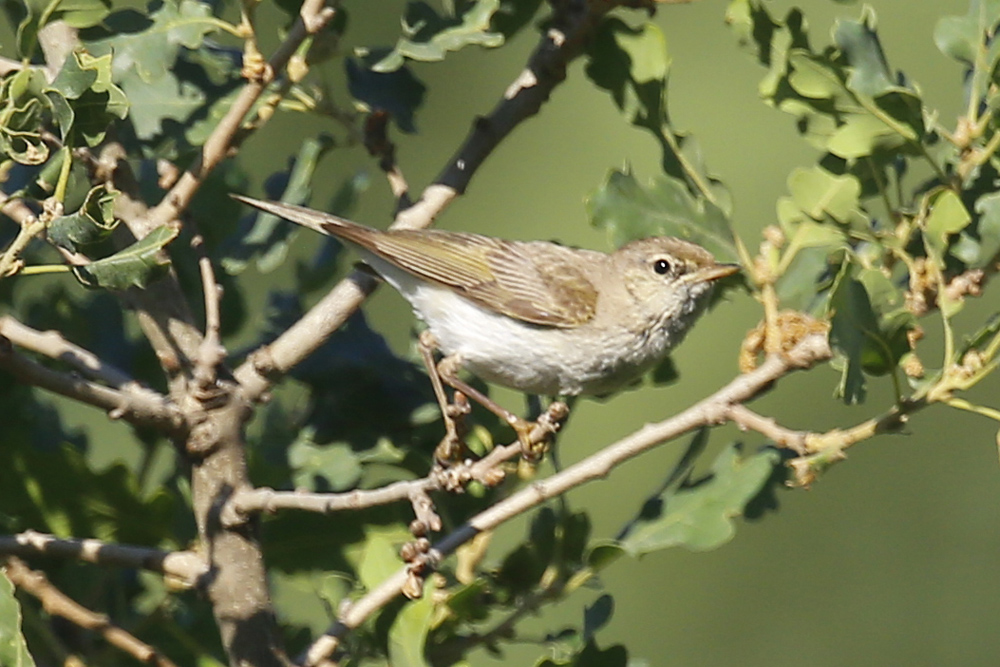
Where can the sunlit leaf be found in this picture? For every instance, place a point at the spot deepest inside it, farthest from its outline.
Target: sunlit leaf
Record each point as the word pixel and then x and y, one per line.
pixel 429 37
pixel 336 465
pixel 947 216
pixel 13 649
pixel 408 633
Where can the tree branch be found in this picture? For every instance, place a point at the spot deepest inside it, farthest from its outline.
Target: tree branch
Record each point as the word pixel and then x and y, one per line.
pixel 708 412
pixel 185 567
pixel 57 603
pixel 133 403
pixel 486 471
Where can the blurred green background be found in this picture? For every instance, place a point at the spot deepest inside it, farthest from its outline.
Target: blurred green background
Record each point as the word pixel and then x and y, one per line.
pixel 890 559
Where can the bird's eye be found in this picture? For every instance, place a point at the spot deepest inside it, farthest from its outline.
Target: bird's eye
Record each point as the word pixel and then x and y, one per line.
pixel 661 266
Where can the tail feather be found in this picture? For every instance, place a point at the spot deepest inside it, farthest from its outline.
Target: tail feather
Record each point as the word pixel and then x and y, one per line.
pixel 324 223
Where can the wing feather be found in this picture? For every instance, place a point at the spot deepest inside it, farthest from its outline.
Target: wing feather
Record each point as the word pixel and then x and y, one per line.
pixel 537 282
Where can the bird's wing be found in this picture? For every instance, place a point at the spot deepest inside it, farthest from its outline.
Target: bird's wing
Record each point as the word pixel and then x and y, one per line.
pixel 537 282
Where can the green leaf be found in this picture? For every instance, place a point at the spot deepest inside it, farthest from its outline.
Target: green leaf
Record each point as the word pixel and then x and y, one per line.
pixel 818 194
pixel 800 285
pixel 93 101
pixel 83 13
pixel 337 465
pixel 379 558
pixel 152 102
pixel 986 232
pixel 13 649
pixel 627 210
pixel 964 38
pixel 981 337
pixel 846 98
pixel 858 40
pixel 398 93
pixel 133 266
pixel 699 515
pixel 632 64
pixel 428 36
pixel 947 216
pixel 597 615
pixel 24 110
pixel 603 554
pixel 93 222
pixel 149 46
pixel 267 236
pixel 408 634
pixel 869 323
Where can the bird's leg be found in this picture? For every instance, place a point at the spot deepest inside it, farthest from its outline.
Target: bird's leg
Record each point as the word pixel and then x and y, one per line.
pixel 534 436
pixel 448 372
pixel 452 445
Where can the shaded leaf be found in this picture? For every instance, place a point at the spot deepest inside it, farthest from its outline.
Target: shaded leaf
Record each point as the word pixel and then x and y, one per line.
pixel 93 222
pixel 699 515
pixel 335 464
pixel 966 38
pixel 869 70
pixel 85 85
pixel 629 210
pixel 986 235
pixel 266 235
pixel 985 334
pixel 398 93
pixel 869 322
pixel 590 656
pixel 632 64
pixel 56 490
pixel 133 266
pixel 846 98
pixel 603 554
pixel 597 615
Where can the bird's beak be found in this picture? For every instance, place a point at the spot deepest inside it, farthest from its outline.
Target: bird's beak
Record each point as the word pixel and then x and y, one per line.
pixel 715 272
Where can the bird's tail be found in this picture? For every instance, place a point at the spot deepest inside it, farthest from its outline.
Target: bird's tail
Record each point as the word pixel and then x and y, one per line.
pixel 324 223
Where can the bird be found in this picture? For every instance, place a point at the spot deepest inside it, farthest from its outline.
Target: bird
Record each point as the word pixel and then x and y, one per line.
pixel 534 316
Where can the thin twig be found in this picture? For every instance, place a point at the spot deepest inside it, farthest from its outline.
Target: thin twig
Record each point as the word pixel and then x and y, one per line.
pixel 486 471
pixel 54 346
pixel 379 145
pixel 710 411
pixel 31 227
pixel 133 403
pixel 185 567
pixel 313 17
pixel 211 352
pixel 57 603
pixel 747 419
